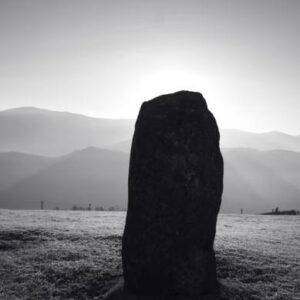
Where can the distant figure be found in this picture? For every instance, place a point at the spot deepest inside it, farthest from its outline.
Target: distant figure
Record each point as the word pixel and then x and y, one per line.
pixel 242 211
pixel 175 187
pixel 90 207
pixel 42 205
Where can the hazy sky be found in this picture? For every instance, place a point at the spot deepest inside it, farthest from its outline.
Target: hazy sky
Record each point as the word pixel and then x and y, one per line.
pixel 103 58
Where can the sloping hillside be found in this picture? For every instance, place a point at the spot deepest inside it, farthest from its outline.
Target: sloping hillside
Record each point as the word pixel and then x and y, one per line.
pixel 49 133
pixel 275 140
pixel 254 180
pixel 258 181
pixel 15 167
pixel 92 175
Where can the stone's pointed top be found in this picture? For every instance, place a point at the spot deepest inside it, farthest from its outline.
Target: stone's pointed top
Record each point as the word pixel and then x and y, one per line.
pixel 180 104
pixel 179 98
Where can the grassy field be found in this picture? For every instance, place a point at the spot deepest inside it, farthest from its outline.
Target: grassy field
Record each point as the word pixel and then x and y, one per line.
pixel 76 255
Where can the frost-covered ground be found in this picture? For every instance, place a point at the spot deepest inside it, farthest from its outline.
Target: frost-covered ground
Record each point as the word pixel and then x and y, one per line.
pixel 76 255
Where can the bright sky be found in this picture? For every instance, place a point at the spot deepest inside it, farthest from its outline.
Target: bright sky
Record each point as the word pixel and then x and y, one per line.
pixel 104 58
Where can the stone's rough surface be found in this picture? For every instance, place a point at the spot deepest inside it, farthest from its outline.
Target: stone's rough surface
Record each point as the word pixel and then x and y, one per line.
pixel 175 188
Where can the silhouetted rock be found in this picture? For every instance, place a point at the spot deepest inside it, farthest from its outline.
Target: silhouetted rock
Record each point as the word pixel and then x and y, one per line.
pixel 175 188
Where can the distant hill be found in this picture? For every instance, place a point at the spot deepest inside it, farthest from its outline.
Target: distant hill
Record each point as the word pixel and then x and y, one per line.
pixel 15 167
pixel 50 133
pixel 231 138
pixel 123 146
pixel 256 181
pixel 91 175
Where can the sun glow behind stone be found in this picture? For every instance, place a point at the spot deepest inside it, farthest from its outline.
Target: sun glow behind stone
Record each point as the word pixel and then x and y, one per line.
pixel 171 80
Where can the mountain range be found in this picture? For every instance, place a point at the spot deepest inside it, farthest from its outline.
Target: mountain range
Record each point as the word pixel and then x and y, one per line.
pixel 66 159
pixel 50 133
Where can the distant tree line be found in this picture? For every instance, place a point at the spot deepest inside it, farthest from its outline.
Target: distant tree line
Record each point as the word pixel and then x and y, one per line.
pixel 97 208
pixel 276 211
pixel 89 208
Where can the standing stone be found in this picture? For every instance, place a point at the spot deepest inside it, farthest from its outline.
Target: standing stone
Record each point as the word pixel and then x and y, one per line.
pixel 175 188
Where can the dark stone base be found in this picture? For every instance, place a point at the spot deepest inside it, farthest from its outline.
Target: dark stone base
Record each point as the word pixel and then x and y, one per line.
pixel 119 293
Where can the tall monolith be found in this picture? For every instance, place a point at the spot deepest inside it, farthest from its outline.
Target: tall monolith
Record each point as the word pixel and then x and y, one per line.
pixel 174 189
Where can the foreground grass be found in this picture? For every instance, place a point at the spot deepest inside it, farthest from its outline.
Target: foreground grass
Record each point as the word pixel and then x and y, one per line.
pixel 55 262
pixel 40 265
